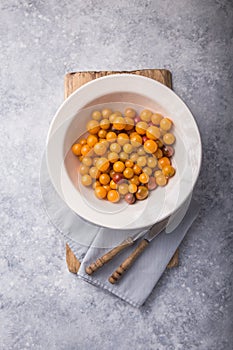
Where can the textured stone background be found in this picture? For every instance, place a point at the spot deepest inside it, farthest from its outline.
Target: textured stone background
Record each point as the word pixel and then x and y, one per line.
pixel 42 306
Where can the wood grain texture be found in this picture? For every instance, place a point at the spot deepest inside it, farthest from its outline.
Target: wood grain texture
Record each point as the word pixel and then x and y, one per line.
pixel 72 262
pixel 76 79
pixel 119 272
pixel 108 256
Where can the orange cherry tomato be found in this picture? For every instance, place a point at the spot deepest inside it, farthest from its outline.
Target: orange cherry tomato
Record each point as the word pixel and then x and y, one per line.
pixel 141 128
pixel 119 123
pixel 144 178
pixel 85 150
pixel 113 185
pixel 122 139
pixel 150 146
pixel 162 162
pixel 137 169
pixel 104 179
pixel 113 196
pixel 76 149
pixel 129 163
pixel 135 180
pixel 100 192
pixel 111 136
pixel 118 167
pixel 92 140
pixel 168 171
pixel 128 173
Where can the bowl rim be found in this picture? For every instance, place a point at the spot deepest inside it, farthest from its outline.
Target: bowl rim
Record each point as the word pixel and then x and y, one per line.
pixel 55 123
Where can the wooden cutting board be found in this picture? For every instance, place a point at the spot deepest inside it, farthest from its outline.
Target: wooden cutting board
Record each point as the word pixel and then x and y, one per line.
pixel 72 82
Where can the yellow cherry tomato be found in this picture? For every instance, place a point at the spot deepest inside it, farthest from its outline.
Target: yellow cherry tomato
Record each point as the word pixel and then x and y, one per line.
pixel 123 188
pixel 94 172
pixel 106 112
pixel 130 112
pixel 95 184
pixel 165 124
pixel 134 157
pixel 84 170
pixel 123 156
pixel 87 161
pixel 113 157
pixel 157 173
pixel 169 139
pixel 93 127
pixel 159 143
pixel 141 161
pixel 86 180
pixel 147 170
pixel 76 149
pixel 152 162
pixel 115 147
pixel 145 115
pixel 102 164
pixel 112 117
pixel 128 148
pixel 96 115
pixel 105 124
pixel 158 154
pixel 132 188
pixel 142 193
pixel 153 132
pixel 161 180
pixel 141 128
pixel 156 118
pixel 102 133
pixel 100 148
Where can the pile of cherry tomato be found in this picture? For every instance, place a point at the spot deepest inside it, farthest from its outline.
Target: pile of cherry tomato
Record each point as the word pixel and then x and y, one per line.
pixel 126 155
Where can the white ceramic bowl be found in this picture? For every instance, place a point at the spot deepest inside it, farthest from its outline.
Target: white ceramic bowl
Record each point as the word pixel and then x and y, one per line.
pixel 117 92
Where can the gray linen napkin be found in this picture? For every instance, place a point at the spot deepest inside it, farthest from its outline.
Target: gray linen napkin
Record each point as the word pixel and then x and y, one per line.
pixel 88 242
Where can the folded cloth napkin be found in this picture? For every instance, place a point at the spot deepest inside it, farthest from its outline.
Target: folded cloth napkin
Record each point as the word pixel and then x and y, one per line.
pixel 89 242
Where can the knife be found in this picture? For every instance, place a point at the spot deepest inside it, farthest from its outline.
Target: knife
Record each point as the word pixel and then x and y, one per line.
pixel 155 229
pixel 128 262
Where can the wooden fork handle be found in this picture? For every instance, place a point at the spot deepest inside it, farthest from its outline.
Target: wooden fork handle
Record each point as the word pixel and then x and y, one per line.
pixel 117 274
pixel 108 256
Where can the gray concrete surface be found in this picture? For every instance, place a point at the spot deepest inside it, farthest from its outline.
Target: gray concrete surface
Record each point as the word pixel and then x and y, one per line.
pixel 42 306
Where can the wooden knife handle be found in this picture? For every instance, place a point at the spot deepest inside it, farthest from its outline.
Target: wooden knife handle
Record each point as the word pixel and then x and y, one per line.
pixel 117 274
pixel 108 256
